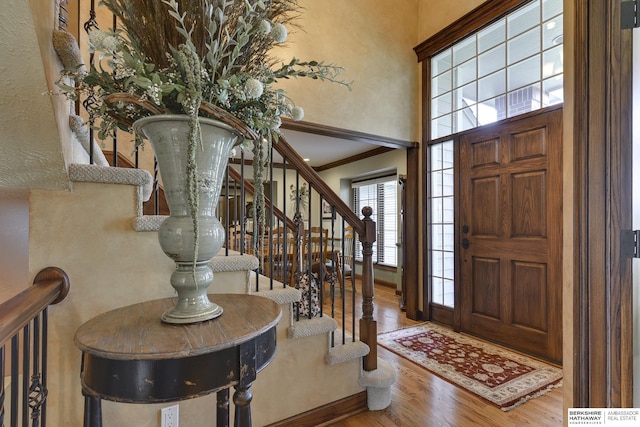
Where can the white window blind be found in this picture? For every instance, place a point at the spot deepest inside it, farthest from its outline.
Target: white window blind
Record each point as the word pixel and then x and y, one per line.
pixel 381 194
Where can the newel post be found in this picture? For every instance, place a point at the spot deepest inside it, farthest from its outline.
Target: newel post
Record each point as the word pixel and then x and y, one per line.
pixel 368 325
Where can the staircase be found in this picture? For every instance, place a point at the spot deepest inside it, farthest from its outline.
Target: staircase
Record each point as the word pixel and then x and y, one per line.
pixel 314 377
pixel 102 236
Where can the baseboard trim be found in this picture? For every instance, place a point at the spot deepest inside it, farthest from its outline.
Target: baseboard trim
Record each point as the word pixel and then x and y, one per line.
pixel 329 413
pixel 380 282
pixel 385 283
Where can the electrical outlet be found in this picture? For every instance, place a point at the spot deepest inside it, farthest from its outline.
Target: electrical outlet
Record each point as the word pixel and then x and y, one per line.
pixel 169 416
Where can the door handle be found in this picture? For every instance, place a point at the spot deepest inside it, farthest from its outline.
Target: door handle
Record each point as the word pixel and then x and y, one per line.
pixel 465 229
pixel 465 243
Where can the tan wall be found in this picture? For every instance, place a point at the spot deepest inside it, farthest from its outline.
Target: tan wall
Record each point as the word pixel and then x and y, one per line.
pixel 45 18
pixel 109 266
pixel 90 237
pixel 373 40
pixel 435 15
pixel 14 238
pixel 30 142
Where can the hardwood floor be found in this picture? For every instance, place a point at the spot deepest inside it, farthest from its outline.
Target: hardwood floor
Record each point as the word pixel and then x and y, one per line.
pixel 421 399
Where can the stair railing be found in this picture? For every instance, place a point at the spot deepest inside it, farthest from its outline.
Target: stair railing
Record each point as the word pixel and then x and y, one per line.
pixel 364 228
pixel 23 337
pixel 290 264
pixel 340 217
pixel 304 261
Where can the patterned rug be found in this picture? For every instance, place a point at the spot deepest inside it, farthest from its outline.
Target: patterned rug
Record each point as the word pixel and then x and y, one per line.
pixel 504 378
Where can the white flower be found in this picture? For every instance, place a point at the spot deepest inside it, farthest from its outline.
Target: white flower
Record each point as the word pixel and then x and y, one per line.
pixel 264 27
pixel 276 123
pixel 122 72
pixel 279 33
pixel 96 37
pixel 297 113
pixel 110 44
pixel 103 41
pixel 154 91
pixel 253 88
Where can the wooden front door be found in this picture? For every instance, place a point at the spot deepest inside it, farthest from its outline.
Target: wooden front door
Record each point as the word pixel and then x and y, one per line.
pixel 510 234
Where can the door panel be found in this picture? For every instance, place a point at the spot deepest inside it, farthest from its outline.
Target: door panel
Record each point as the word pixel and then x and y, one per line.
pixel 486 292
pixel 485 194
pixel 528 204
pixel 510 197
pixel 530 284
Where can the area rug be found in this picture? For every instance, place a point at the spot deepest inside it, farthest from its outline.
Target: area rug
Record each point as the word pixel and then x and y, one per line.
pixel 504 378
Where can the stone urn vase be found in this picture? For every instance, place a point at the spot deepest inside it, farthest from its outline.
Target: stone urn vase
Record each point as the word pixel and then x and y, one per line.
pixel 169 136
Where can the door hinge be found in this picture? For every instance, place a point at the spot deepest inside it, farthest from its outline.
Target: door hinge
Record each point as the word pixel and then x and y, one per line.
pixel 629 14
pixel 630 242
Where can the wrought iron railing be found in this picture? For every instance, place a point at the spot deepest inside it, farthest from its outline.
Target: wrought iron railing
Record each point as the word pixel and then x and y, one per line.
pixel 23 349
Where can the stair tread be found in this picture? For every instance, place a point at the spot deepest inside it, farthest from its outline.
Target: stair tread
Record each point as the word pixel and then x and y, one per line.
pixel 315 326
pixel 345 352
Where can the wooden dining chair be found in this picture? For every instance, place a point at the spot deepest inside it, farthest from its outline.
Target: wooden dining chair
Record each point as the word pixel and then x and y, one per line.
pixel 280 250
pixel 344 260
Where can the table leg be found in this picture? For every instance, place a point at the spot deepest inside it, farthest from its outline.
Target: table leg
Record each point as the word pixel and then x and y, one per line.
pixel 92 412
pixel 222 414
pixel 242 399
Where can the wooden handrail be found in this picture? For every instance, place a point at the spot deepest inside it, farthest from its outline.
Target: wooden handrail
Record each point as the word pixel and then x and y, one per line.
pixel 312 177
pixel 50 286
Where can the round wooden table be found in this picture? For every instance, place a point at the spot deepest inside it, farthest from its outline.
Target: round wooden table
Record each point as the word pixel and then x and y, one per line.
pixel 130 355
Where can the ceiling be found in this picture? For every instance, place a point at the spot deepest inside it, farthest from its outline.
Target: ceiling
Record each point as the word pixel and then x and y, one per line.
pixel 325 145
pixel 322 150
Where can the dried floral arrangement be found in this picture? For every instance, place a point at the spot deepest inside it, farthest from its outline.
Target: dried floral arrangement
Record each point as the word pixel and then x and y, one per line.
pixel 202 58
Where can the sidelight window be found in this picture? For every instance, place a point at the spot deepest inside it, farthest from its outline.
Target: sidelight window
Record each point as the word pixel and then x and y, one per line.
pixel 441 273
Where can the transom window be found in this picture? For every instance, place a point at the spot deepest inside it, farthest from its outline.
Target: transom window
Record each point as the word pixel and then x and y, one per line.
pixel 511 67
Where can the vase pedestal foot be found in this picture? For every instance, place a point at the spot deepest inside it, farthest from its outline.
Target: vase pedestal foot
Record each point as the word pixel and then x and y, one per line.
pixel 193 304
pixel 176 315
